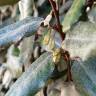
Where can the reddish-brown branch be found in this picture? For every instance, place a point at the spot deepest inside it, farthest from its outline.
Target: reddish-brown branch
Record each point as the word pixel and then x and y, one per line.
pixel 68 61
pixel 55 10
pixel 58 27
pixel 90 2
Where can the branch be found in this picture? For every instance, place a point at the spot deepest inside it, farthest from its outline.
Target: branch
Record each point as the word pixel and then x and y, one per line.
pixel 55 10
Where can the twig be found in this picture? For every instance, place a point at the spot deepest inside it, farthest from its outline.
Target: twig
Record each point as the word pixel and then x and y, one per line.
pixel 68 61
pixel 55 9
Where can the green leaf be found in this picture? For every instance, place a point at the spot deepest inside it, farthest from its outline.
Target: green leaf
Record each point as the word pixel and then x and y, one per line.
pixel 16 51
pixel 21 29
pixel 81 42
pixel 84 76
pixel 92 14
pixel 80 39
pixel 34 78
pixel 8 2
pixel 73 14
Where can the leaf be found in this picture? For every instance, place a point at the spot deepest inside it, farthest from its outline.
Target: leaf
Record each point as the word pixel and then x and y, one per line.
pixel 34 78
pixel 84 76
pixel 92 15
pixel 16 51
pixel 21 29
pixel 50 40
pixel 65 7
pixel 14 62
pixel 68 89
pixel 80 39
pixel 73 14
pixel 8 2
pixel 81 42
